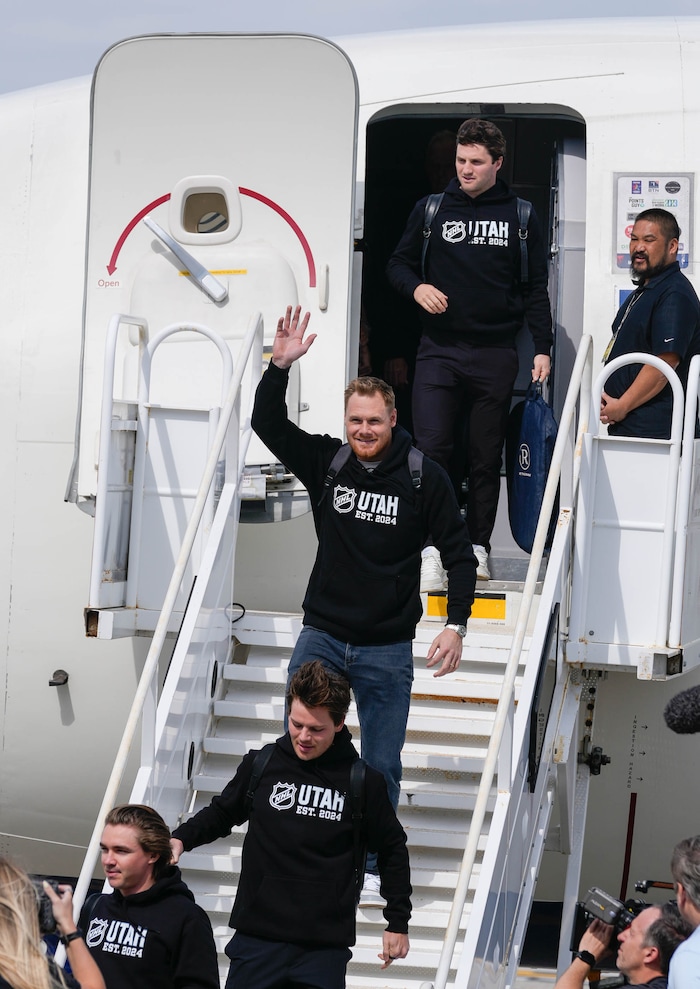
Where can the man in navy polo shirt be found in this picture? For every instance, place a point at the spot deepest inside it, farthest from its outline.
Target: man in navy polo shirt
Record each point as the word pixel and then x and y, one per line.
pixel 662 317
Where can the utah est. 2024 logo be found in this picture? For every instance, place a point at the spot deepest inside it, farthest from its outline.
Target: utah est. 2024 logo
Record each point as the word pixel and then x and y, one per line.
pixel 312 801
pixel 371 505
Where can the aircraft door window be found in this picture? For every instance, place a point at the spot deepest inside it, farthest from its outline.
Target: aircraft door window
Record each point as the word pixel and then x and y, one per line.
pixel 205 213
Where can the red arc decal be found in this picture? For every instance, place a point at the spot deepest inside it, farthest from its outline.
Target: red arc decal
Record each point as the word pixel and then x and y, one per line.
pixel 112 266
pixel 293 224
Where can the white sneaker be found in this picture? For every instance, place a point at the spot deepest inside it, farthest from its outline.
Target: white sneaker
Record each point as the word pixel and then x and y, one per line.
pixel 370 895
pixel 432 572
pixel 482 560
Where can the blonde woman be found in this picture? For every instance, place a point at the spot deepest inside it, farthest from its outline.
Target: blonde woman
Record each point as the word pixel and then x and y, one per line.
pixel 23 963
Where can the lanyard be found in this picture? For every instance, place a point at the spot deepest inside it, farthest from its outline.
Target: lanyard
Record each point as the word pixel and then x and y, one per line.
pixel 633 299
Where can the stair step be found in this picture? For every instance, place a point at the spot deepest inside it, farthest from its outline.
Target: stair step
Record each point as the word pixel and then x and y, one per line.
pixel 461 688
pixel 449 758
pixel 426 716
pixel 431 887
pixel 269 656
pixel 433 866
pixel 429 914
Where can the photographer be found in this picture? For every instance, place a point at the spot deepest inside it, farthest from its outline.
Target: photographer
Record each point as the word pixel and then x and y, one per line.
pixel 23 963
pixel 644 953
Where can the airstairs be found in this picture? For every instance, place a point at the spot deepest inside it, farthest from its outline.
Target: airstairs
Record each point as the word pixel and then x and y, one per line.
pixel 489 752
pixel 449 727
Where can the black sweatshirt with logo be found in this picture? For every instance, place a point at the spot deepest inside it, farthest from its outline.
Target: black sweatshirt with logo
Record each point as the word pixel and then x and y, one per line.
pixel 371 527
pixel 297 880
pixel 157 939
pixel 474 258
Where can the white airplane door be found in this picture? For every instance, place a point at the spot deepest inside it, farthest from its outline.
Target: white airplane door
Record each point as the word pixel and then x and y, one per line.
pixel 241 149
pixel 222 176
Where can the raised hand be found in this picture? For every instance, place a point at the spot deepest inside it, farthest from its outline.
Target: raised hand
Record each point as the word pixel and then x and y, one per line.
pixel 289 343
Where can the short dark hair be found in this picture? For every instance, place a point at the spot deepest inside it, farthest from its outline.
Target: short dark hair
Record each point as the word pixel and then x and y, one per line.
pixel 685 868
pixel 666 933
pixel 371 386
pixel 315 686
pixel 667 223
pixel 153 833
pixel 478 131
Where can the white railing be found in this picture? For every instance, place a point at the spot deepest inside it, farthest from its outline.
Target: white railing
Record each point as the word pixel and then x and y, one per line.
pixel 669 526
pixel 685 485
pixel 144 420
pixel 99 532
pixel 250 354
pixel 578 393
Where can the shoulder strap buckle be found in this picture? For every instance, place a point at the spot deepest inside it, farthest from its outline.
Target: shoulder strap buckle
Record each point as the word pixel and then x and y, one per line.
pixel 524 210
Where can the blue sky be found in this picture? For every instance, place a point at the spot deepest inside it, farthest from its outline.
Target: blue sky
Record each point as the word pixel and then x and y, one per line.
pixel 43 41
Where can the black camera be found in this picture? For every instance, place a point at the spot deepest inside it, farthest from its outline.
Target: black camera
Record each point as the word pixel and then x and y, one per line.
pixel 47 921
pixel 602 906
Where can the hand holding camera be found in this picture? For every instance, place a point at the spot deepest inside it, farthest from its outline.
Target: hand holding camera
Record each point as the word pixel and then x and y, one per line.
pixel 594 942
pixel 55 908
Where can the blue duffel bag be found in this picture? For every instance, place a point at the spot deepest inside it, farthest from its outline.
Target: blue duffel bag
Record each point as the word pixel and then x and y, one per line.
pixel 532 432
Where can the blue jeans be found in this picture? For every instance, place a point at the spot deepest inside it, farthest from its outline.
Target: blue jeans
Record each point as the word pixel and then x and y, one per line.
pixel 381 678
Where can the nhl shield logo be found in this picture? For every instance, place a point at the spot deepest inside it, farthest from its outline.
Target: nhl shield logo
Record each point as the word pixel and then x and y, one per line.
pixel 453 231
pixel 96 932
pixel 524 456
pixel 283 796
pixel 344 499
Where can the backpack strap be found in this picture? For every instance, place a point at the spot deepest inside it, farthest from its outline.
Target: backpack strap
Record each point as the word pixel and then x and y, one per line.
pixel 87 910
pixel 259 763
pixel 358 774
pixel 341 457
pixel 415 467
pixel 524 211
pixel 432 205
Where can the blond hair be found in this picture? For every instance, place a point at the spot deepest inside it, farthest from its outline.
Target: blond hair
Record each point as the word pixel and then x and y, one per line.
pixel 22 961
pixel 368 385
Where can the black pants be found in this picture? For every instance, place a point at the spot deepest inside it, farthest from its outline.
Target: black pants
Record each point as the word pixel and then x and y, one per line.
pixel 459 388
pixel 260 964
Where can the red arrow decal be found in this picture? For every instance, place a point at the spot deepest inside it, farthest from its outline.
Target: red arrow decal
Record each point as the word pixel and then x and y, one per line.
pixel 293 224
pixel 112 266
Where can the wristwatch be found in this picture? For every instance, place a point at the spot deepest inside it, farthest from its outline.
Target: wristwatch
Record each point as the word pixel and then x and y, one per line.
pixel 461 630
pixel 586 957
pixel 66 939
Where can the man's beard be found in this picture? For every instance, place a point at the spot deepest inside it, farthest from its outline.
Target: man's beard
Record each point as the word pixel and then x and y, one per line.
pixel 639 277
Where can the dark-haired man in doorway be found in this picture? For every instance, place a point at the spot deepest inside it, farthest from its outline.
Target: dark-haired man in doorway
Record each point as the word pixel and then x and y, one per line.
pixel 473 300
pixel 662 317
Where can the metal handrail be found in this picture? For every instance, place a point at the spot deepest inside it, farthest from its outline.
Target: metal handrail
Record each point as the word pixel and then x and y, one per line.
pixel 579 391
pixel 145 426
pixel 666 370
pixel 255 330
pixel 669 524
pixel 105 431
pixel 685 484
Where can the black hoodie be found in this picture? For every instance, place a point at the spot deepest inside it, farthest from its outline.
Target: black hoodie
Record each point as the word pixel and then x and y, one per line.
pixel 157 939
pixel 371 526
pixel 474 258
pixel 297 878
